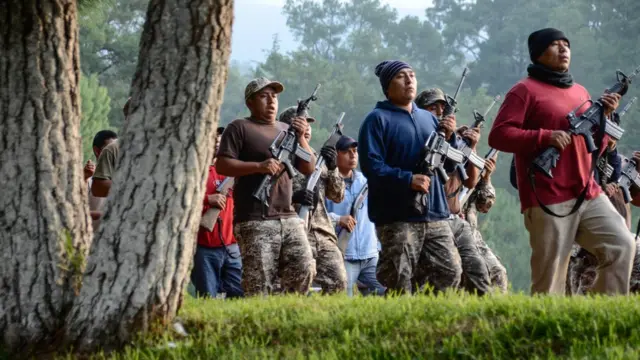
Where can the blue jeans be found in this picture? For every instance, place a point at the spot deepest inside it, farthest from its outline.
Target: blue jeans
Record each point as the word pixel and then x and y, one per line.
pixel 217 270
pixel 363 272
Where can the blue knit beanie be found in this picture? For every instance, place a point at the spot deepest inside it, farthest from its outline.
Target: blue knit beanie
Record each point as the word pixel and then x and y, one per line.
pixel 387 70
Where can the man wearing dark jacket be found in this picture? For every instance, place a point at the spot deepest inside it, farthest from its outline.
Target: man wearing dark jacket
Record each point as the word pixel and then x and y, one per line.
pixel 416 248
pixel 533 118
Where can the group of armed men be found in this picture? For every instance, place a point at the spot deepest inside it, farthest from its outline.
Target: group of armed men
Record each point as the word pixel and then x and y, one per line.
pixel 279 217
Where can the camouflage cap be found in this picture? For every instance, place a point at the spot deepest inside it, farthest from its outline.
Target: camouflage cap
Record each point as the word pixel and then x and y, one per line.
pixel 260 83
pixel 289 113
pixel 429 97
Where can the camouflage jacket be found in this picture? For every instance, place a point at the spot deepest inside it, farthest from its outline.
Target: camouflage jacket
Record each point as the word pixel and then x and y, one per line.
pixel 331 186
pixel 484 193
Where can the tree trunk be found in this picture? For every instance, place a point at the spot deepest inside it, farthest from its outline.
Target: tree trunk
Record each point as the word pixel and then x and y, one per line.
pixel 140 260
pixel 44 220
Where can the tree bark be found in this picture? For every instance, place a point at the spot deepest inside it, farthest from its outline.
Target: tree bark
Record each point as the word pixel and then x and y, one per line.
pixel 140 260
pixel 44 220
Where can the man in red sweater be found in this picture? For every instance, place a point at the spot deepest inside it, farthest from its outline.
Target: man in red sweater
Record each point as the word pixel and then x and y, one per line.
pixel 532 118
pixel 217 263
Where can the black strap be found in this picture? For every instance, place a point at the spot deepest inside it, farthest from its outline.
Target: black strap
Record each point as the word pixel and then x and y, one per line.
pixel 594 165
pixel 455 193
pixel 638 229
pixel 575 207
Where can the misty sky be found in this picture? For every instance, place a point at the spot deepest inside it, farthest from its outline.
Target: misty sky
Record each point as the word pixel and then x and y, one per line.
pixel 406 4
pixel 249 41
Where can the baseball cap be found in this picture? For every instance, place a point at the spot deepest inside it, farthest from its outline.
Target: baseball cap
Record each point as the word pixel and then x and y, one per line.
pixel 345 143
pixel 289 113
pixel 429 97
pixel 260 83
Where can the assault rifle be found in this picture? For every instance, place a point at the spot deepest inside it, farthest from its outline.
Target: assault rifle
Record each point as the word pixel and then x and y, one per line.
pixel 479 120
pixel 315 176
pixel 587 125
pixel 344 235
pixel 629 177
pixel 603 164
pixel 437 150
pixel 210 217
pixel 283 146
pixel 465 196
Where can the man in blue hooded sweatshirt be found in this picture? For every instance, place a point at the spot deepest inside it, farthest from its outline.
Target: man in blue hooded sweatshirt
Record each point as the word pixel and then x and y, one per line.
pixel 416 249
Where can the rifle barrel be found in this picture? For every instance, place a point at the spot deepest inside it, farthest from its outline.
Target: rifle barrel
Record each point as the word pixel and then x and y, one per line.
pixel 464 75
pixel 495 100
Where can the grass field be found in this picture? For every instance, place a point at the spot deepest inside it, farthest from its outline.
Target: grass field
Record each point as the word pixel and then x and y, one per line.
pixel 445 327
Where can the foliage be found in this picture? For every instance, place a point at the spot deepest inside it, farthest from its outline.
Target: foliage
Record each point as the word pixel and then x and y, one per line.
pixel 96 105
pixel 444 327
pixel 109 38
pixel 503 230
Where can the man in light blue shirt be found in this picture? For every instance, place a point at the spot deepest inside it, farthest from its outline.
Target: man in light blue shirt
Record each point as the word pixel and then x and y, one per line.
pixel 361 253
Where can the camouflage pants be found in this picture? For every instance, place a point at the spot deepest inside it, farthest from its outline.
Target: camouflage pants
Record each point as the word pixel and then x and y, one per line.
pixel 331 274
pixel 497 271
pixel 475 273
pixel 582 271
pixel 414 254
pixel 271 249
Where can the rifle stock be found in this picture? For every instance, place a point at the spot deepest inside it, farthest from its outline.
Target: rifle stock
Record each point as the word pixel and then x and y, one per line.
pixel 208 220
pixel 344 235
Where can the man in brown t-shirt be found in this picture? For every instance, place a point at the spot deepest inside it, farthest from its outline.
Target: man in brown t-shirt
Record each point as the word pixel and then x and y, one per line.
pixel 475 273
pixel 273 241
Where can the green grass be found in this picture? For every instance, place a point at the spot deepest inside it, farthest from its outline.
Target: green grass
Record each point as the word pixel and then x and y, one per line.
pixel 445 327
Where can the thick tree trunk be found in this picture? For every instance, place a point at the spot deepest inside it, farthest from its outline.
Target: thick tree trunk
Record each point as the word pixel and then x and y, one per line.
pixel 44 223
pixel 140 260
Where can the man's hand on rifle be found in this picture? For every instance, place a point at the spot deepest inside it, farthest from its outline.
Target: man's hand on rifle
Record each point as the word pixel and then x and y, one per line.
pixel 217 201
pixel 330 156
pixel 610 102
pixel 560 139
pixel 489 168
pixel 271 167
pixel 473 135
pixel 347 222
pixel 636 158
pixel 610 189
pixel 299 124
pixel 303 197
pixel 420 183
pixel 448 124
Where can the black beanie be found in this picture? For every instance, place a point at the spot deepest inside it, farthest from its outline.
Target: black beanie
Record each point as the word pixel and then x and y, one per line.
pixel 387 70
pixel 540 40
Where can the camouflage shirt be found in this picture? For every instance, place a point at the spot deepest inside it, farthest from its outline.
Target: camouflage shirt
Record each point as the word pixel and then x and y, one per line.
pixel 331 186
pixel 484 193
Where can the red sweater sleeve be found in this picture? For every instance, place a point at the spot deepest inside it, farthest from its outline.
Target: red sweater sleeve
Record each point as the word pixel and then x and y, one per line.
pixel 509 132
pixel 636 199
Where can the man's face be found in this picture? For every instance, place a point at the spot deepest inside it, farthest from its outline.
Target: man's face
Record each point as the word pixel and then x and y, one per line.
pixel 217 144
pixel 97 151
pixel 437 109
pixel 402 88
pixel 348 159
pixel 307 133
pixel 557 56
pixel 264 105
pixel 484 207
